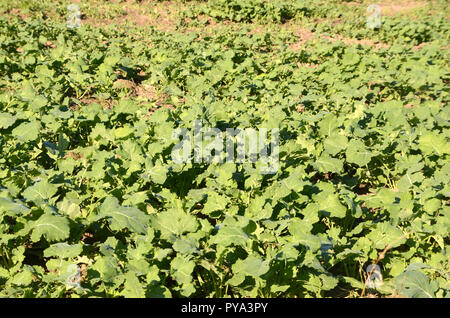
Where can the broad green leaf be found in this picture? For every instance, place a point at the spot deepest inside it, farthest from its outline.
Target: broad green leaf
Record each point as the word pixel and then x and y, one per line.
pixel 158 291
pixel 259 209
pixel 415 284
pixel 158 174
pixel 40 191
pixel 52 227
pixel 357 153
pixel 214 202
pixel 301 233
pixel 10 206
pixel 330 205
pixel 328 125
pixel 6 120
pixel 228 235
pixel 182 269
pixel 23 278
pixel 123 132
pixel 63 250
pixel 185 245
pixel 385 234
pixel 121 217
pixel 350 58
pixel 132 287
pixel 431 143
pixel 335 143
pixel 69 208
pixel 327 164
pixel 174 222
pixel 108 268
pixel 27 131
pixel 252 266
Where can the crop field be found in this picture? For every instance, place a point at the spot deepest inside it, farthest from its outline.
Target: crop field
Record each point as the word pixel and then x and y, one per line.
pixel 352 199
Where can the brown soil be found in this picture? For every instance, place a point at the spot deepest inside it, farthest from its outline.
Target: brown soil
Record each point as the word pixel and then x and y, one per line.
pixel 392 8
pixel 351 41
pixel 14 12
pixel 123 83
pixel 73 155
pixel 304 35
pixel 307 65
pixel 146 91
pixel 145 13
pixel 418 47
pixel 106 103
